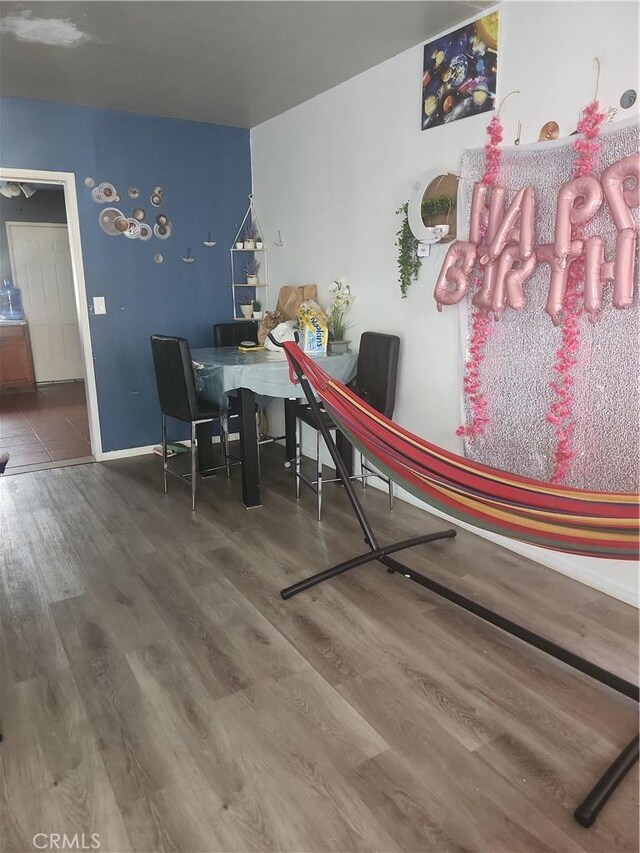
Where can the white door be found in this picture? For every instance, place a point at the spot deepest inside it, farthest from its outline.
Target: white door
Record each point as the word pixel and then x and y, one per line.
pixel 41 265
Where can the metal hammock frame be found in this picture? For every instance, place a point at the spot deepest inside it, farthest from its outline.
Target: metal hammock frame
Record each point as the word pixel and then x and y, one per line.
pixel 588 810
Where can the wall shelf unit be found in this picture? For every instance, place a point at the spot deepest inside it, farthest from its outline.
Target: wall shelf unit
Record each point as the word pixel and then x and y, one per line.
pixel 240 289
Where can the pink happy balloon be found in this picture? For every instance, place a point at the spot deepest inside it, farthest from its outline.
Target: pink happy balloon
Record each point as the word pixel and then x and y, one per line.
pixel 578 201
pixel 522 207
pixel 620 200
pixel 478 208
pixel 455 271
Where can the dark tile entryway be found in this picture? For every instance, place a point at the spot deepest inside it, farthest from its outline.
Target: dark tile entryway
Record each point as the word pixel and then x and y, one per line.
pixel 47 425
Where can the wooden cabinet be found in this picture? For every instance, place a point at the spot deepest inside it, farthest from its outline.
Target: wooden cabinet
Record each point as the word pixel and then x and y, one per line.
pixel 16 363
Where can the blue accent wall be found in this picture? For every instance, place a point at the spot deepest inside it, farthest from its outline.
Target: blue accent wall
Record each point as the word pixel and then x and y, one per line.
pixel 205 171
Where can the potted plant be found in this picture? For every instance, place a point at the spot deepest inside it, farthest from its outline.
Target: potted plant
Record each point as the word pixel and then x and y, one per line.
pixel 257 310
pixel 239 244
pixel 341 299
pixel 246 307
pixel 250 233
pixel 259 242
pixel 251 271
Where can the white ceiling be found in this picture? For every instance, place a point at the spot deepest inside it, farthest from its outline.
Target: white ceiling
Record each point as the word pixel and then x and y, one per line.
pixel 237 63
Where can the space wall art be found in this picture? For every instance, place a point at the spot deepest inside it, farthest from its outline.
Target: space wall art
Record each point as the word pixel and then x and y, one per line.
pixel 459 72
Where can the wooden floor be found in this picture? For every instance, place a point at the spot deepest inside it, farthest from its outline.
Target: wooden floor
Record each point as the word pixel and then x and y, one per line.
pixel 157 691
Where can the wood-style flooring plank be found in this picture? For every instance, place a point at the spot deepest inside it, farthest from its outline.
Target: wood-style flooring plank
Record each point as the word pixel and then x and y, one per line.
pixel 156 690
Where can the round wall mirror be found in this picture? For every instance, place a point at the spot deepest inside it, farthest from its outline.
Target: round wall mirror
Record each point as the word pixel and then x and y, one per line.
pixel 433 208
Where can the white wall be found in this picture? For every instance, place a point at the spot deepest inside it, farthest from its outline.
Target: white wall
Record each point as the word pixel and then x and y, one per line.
pixel 330 173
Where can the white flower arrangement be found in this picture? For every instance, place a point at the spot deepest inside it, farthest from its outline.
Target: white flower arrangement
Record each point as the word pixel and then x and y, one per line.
pixel 341 299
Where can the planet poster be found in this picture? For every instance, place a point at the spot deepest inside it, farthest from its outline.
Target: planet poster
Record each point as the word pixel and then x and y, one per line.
pixel 460 72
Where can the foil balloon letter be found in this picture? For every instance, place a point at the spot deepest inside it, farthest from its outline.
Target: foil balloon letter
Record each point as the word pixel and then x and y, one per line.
pixel 453 281
pixel 578 201
pixel 522 207
pixel 624 267
pixel 621 200
pixel 559 275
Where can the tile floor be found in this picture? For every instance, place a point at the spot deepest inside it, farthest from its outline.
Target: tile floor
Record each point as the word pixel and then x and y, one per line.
pixel 48 425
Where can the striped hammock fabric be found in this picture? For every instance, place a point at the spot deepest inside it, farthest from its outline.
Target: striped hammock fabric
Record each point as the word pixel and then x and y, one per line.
pixel 590 524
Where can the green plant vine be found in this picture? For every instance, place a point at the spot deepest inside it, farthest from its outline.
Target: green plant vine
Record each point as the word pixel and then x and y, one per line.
pixel 408 261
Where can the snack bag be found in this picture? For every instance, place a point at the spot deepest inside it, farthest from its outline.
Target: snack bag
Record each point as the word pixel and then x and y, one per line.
pixel 314 328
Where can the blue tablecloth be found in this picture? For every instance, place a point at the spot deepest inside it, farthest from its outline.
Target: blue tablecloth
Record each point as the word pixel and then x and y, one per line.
pixel 219 370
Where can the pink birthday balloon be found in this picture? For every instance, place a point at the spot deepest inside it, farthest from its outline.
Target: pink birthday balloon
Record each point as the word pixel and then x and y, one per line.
pixel 512 271
pixel 455 271
pixel 624 266
pixel 546 253
pixel 483 298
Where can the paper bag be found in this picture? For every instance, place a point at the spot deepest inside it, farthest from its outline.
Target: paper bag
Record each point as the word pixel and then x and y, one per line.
pixel 291 296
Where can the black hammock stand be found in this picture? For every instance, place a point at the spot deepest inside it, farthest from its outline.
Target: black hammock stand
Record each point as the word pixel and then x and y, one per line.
pixel 590 807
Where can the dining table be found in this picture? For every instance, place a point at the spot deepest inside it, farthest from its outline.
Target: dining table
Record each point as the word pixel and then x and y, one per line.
pixel 259 376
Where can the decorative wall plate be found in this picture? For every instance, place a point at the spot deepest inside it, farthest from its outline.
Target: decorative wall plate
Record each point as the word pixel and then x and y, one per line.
pixel 548 131
pixel 133 231
pixel 162 232
pixel 138 213
pixel 158 259
pixel 155 199
pixel 628 99
pixel 107 220
pixel 146 232
pixel 133 192
pixel 89 182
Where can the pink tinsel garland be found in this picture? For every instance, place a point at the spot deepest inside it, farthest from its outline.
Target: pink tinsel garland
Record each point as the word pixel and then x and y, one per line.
pixel 561 412
pixel 481 325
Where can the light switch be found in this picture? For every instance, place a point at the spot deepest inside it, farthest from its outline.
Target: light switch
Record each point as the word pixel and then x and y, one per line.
pixel 99 305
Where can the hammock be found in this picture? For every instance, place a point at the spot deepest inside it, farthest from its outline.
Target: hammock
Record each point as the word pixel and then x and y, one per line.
pixel 587 523
pixel 590 524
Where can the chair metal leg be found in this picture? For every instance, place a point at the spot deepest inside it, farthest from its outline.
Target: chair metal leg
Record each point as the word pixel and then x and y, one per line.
pixel 390 493
pixel 164 454
pixel 298 455
pixel 362 472
pixel 194 466
pixel 318 477
pixel 224 439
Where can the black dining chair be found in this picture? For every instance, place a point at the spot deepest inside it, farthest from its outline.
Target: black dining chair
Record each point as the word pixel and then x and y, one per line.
pixel 179 399
pixel 375 381
pixel 233 334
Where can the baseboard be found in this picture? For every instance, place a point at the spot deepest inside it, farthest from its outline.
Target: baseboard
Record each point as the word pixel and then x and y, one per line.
pixel 109 455
pixel 592 572
pixel 563 563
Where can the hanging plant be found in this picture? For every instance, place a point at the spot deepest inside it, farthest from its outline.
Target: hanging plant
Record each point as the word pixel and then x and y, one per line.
pixel 408 261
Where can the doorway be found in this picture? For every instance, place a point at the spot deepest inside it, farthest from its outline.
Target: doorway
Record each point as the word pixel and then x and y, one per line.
pixel 48 409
